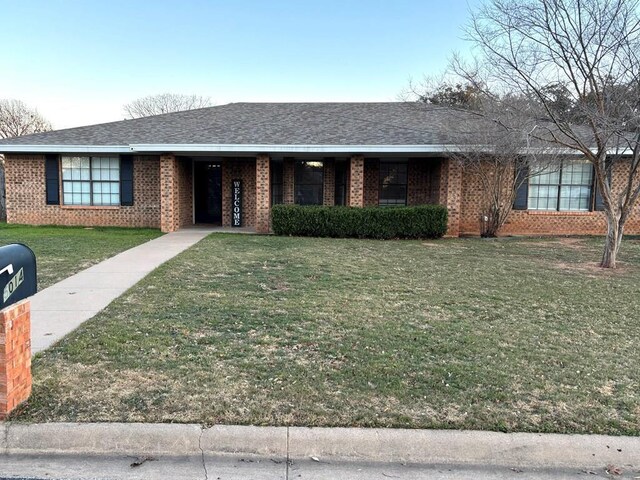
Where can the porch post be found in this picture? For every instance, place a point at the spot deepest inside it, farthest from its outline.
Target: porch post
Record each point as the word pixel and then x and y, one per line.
pixel 288 175
pixel 451 194
pixel 263 194
pixel 356 181
pixel 169 214
pixel 329 184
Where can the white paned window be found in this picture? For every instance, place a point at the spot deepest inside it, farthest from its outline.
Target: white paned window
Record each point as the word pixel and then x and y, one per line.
pixel 91 181
pixel 567 188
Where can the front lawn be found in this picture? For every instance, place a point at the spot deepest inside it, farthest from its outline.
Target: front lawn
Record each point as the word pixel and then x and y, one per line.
pixel 508 334
pixel 63 251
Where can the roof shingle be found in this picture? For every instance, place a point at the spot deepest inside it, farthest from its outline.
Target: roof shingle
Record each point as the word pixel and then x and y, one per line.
pixel 392 123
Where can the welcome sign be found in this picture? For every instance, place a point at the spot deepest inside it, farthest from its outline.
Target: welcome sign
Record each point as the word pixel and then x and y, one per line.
pixel 236 203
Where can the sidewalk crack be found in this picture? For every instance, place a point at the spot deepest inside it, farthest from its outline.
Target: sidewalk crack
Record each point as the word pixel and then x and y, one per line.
pixel 204 464
pixel 286 475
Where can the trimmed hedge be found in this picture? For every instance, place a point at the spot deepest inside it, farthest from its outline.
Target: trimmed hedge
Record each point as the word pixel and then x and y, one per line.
pixel 423 221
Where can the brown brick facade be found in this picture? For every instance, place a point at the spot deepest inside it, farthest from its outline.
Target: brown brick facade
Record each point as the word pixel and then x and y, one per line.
pixel 185 192
pixel 356 181
pixel 532 222
pixel 263 194
pixel 423 181
pixel 176 193
pixel 451 194
pixel 245 170
pixel 163 195
pixel 329 182
pixel 15 356
pixel 25 182
pixel 371 182
pixel 288 181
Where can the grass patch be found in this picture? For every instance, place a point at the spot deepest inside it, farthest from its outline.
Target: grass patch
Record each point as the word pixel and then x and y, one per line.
pixel 63 251
pixel 508 334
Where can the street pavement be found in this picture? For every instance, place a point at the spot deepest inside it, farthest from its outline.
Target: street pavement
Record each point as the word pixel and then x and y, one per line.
pixel 189 451
pixel 236 467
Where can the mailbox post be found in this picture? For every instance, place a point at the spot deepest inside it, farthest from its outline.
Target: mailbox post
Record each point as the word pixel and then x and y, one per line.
pixel 18 281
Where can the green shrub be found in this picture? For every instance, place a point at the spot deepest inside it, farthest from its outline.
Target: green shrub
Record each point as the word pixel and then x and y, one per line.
pixel 423 221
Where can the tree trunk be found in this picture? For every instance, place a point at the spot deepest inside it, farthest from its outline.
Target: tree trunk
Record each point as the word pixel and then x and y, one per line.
pixel 612 242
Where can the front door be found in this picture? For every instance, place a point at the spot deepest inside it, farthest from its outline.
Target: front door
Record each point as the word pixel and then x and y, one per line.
pixel 207 180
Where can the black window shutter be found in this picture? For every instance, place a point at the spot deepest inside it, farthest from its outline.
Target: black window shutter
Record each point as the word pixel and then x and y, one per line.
pixel 522 194
pixel 52 179
pixel 598 203
pixel 126 180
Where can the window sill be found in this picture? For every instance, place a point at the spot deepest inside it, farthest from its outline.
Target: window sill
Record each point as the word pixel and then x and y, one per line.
pixel 553 213
pixel 90 207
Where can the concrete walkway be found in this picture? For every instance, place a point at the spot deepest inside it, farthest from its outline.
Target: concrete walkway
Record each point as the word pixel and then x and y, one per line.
pixel 61 308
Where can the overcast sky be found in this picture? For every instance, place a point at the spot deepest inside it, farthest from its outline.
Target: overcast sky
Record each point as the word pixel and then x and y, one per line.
pixel 78 62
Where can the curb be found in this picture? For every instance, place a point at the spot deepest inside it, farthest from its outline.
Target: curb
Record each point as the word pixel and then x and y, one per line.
pixel 378 445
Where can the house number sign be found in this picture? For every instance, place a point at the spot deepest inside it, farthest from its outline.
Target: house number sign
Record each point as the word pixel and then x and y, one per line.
pixel 236 203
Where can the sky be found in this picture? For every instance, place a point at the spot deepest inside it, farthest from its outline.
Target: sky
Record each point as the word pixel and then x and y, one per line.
pixel 79 61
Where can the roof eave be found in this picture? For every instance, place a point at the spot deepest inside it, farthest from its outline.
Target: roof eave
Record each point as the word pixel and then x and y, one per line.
pixel 65 149
pixel 279 148
pixel 270 148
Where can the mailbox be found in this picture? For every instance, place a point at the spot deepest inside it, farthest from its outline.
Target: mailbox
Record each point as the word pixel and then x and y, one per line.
pixel 17 274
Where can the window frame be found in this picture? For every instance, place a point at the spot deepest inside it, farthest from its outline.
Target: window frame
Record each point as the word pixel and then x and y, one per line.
pixel 385 203
pixel 341 182
pixel 558 197
pixel 297 183
pixel 276 166
pixel 91 181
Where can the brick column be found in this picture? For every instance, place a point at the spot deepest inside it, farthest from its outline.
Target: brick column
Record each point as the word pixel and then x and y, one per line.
pixel 451 194
pixel 169 213
pixel 288 180
pixel 329 187
pixel 15 356
pixel 356 181
pixel 263 194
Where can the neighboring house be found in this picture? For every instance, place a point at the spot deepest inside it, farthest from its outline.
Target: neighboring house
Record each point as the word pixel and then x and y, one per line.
pixel 175 170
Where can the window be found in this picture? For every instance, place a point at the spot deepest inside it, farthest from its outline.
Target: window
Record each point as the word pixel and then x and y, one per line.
pixel 393 183
pixel 309 178
pixel 91 180
pixel 341 183
pixel 276 183
pixel 565 189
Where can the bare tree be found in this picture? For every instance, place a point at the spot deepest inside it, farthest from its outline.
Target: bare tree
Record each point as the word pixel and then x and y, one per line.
pixel 492 141
pixel 589 50
pixel 164 103
pixel 17 119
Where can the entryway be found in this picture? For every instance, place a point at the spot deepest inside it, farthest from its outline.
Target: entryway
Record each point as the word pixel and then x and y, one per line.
pixel 207 192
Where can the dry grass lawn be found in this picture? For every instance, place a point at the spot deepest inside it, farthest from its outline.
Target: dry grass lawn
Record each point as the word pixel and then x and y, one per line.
pixel 508 334
pixel 63 251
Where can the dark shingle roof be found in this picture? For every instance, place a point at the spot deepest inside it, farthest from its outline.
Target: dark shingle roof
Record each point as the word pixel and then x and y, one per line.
pixel 394 123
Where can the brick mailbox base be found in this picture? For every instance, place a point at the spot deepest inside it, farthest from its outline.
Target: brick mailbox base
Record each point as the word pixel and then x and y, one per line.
pixel 15 356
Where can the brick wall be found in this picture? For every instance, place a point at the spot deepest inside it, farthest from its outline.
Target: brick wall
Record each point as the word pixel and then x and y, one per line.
pixel 531 222
pixel 245 170
pixel 450 194
pixel 288 181
pixel 185 192
pixel 423 181
pixel 26 203
pixel 371 182
pixel 15 356
pixel 263 194
pixel 169 210
pixel 329 182
pixel 356 181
